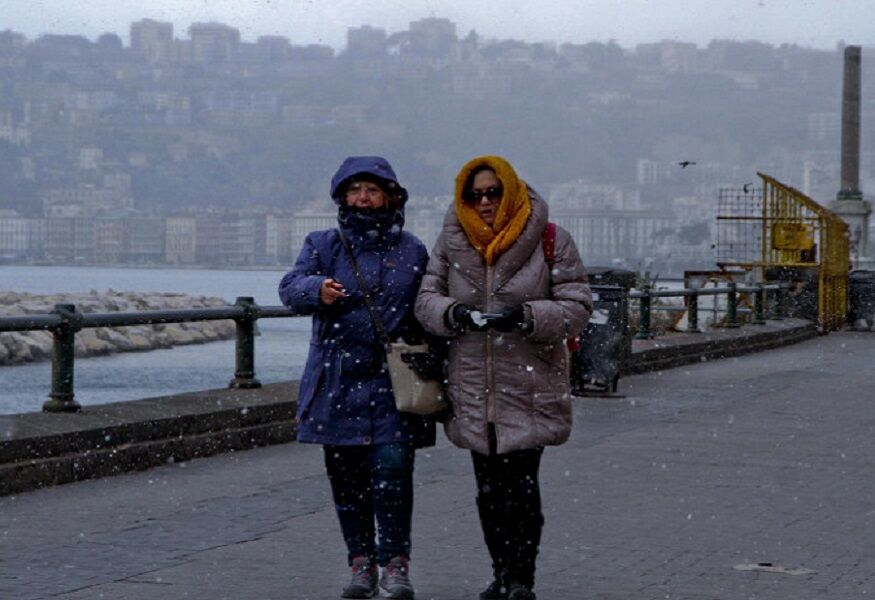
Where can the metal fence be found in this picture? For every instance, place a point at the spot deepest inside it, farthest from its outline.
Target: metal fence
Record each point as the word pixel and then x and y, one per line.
pixel 762 294
pixel 65 321
pixel 777 227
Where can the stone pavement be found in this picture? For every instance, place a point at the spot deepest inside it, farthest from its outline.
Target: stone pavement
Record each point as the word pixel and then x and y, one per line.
pixel 699 474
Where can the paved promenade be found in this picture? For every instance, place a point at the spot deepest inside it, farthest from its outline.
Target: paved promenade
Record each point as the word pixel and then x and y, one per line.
pixel 698 475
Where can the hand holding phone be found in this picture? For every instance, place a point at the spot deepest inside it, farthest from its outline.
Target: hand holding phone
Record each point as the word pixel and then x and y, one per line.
pixel 331 290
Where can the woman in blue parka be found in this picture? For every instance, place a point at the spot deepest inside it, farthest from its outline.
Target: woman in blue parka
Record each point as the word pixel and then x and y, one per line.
pixel 345 400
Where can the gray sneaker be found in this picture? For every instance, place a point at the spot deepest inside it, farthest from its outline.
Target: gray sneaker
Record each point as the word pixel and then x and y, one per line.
pixel 395 581
pixel 364 579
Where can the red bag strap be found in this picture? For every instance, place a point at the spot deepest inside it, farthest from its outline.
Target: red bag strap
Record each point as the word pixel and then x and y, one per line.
pixel 550 244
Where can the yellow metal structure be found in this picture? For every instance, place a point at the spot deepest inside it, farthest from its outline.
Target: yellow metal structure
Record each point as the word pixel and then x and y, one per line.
pixel 799 232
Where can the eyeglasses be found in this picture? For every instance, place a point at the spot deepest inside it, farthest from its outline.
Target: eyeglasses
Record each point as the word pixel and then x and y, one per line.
pixel 371 190
pixel 493 194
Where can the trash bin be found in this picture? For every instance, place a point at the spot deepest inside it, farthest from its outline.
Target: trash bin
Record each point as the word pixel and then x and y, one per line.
pixel 861 299
pixel 605 343
pixel 802 300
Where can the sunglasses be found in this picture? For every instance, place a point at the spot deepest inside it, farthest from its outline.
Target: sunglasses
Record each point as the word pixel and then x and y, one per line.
pixel 493 194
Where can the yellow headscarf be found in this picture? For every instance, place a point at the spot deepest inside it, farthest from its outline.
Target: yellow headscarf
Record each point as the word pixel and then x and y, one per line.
pixel 510 218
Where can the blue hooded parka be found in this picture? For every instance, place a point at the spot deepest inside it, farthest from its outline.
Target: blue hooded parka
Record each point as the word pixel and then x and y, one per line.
pixel 345 396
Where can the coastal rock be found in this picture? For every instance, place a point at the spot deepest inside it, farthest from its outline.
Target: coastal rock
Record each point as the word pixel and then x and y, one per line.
pixel 27 346
pixel 88 344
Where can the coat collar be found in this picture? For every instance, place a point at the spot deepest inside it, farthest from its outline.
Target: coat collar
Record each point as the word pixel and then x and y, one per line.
pixel 517 254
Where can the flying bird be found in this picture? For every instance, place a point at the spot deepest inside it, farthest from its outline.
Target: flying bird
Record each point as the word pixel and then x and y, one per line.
pixel 686 163
pixel 746 187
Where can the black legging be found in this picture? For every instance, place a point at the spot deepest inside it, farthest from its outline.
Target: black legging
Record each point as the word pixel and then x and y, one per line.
pixel 509 503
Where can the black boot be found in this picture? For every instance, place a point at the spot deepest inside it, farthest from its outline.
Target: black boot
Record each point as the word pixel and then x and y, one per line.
pixel 518 591
pixel 495 591
pixel 495 543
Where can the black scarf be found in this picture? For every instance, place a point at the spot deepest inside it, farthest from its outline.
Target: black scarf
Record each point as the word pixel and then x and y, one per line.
pixel 371 228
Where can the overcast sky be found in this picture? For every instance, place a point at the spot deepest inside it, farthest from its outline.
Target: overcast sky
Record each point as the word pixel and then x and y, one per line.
pixel 817 23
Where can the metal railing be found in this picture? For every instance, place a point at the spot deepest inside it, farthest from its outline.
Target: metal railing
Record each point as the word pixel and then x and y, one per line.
pixel 646 295
pixel 65 321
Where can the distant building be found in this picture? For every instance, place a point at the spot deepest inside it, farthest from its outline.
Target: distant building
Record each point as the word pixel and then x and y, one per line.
pixel 180 241
pixel 606 236
pixel 90 158
pixel 424 217
pixel 278 240
pixel 307 221
pixel 213 42
pixel 144 240
pixel 366 42
pixel 241 107
pixel 11 41
pixel 70 239
pixel 20 237
pixel 583 195
pixel 208 238
pixel 650 172
pixel 109 241
pixel 238 240
pixel 319 115
pixel 16 133
pixel 153 40
pixel 670 56
pixel 86 200
pixel 311 52
pixel 824 126
pixel 482 79
pixel 273 48
pixel 432 38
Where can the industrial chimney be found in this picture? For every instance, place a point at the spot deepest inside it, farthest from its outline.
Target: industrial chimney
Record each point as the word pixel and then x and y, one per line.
pixel 849 203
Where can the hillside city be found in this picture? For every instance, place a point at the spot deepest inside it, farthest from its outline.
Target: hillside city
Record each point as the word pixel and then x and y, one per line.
pixel 216 151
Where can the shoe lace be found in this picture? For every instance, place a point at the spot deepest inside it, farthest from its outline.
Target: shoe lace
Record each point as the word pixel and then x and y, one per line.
pixel 363 568
pixel 397 569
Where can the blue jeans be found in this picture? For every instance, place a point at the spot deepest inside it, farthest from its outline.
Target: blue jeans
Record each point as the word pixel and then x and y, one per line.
pixel 373 483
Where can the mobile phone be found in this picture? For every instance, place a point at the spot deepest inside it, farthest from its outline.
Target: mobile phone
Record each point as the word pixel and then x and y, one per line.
pixel 481 319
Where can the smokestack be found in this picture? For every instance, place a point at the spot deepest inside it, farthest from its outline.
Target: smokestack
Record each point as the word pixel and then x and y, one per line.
pixel 850 184
pixel 849 203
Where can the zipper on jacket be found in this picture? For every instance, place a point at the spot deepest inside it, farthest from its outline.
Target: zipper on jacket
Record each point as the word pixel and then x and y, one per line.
pixel 490 352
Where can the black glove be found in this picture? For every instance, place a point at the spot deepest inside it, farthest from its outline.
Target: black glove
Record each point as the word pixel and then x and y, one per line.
pixel 463 320
pixel 427 365
pixel 512 318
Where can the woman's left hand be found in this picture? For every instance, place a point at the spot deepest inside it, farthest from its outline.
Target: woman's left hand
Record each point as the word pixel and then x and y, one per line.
pixel 512 318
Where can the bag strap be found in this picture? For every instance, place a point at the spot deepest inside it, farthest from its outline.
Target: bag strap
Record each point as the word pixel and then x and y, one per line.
pixel 549 243
pixel 378 323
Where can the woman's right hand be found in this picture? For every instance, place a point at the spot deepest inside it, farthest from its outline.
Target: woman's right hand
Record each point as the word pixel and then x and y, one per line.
pixel 331 291
pixel 463 318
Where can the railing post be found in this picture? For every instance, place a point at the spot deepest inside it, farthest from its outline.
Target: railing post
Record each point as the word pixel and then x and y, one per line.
pixel 644 315
pixel 758 303
pixel 693 312
pixel 732 306
pixel 244 374
pixel 61 397
pixel 778 303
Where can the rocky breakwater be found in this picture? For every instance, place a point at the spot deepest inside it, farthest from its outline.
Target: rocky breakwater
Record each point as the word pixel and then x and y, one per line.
pixel 28 346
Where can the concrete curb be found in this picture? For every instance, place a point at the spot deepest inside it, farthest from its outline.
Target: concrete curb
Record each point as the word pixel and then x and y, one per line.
pixel 44 449
pixel 686 348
